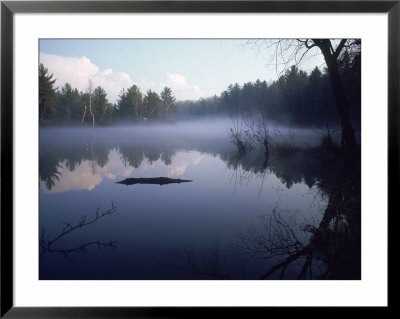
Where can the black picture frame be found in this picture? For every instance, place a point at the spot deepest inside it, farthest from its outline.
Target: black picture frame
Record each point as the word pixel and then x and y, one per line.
pixel 9 8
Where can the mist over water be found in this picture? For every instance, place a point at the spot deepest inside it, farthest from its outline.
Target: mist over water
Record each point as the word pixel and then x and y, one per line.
pixel 243 179
pixel 196 129
pixel 160 230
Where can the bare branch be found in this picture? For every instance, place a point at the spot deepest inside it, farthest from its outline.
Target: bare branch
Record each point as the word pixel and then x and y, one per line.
pixel 339 47
pixel 69 228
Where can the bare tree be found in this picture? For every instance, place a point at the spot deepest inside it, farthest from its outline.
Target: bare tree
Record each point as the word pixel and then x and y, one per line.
pixel 237 135
pixel 90 94
pixel 294 51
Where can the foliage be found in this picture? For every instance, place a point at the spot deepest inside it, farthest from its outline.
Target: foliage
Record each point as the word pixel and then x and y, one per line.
pixel 70 104
pixel 168 101
pixel 47 94
pixel 296 97
pixel 102 109
pixel 152 105
pixel 130 104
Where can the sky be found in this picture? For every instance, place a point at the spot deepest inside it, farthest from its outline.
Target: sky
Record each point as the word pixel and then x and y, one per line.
pixel 192 68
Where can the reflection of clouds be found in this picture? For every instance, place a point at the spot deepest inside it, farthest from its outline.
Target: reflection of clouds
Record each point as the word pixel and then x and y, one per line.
pixel 182 161
pixel 85 177
pixel 80 178
pixel 88 175
pixel 115 167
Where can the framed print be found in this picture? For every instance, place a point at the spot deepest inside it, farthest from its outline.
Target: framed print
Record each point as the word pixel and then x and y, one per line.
pixel 180 158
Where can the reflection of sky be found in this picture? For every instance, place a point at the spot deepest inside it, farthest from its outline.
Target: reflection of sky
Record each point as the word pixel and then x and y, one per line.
pixel 87 175
pixel 152 220
pixel 181 163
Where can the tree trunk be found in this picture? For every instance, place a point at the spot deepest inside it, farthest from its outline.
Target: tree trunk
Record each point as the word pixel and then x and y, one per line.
pixel 43 111
pixel 41 108
pixel 90 109
pixel 84 114
pixel 348 137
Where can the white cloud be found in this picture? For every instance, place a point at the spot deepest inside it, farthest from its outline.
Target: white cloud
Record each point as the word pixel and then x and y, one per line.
pixel 183 90
pixel 148 84
pixel 75 71
pixel 78 71
pixel 111 82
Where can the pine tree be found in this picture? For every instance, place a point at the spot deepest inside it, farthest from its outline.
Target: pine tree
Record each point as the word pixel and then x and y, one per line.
pixel 168 100
pixel 47 94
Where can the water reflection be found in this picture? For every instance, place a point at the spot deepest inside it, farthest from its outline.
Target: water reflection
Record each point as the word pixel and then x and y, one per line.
pixel 48 245
pixel 292 247
pixel 85 166
pixel 293 215
pixel 330 250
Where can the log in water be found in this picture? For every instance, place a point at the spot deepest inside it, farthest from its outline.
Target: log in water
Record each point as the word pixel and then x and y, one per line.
pixel 153 180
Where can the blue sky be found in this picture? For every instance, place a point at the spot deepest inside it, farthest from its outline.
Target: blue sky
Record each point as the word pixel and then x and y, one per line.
pixel 192 68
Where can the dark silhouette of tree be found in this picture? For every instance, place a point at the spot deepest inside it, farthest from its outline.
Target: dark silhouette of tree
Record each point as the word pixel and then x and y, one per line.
pixel 47 245
pixel 295 98
pixel 331 56
pixel 293 84
pixel 47 94
pixel 293 51
pixel 349 63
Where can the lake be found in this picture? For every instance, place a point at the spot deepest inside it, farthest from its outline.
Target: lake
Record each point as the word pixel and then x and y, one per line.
pixel 238 217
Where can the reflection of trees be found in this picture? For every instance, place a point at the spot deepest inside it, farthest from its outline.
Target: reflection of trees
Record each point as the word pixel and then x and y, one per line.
pixel 75 146
pixel 47 246
pixel 313 166
pixel 336 242
pixel 167 156
pixel 135 154
pixel 290 249
pixel 71 151
pixel 290 164
pixel 252 162
pixel 208 264
pixel 152 154
pixel 74 159
pixel 48 168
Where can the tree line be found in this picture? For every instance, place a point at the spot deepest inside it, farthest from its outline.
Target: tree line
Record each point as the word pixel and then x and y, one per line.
pixel 296 97
pixel 92 107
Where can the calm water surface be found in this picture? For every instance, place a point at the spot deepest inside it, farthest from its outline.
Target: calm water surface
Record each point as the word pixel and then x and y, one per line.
pixel 193 230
